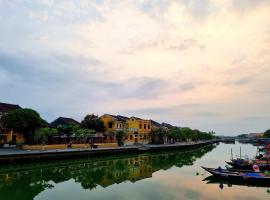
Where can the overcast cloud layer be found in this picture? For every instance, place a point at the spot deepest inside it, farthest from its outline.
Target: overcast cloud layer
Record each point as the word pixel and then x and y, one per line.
pixel 203 64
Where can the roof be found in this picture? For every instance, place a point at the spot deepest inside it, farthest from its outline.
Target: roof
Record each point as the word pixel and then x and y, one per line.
pixel 64 121
pixel 122 118
pixel 169 126
pixel 119 117
pixel 137 118
pixel 155 123
pixel 5 107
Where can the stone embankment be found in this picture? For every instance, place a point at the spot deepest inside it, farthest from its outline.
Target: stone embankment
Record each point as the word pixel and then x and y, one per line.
pixel 17 156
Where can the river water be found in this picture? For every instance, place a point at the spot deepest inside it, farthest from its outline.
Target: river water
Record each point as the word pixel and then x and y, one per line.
pixel 165 175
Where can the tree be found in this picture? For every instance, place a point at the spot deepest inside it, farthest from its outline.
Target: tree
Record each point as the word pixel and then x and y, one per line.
pixel 120 136
pixel 68 129
pixel 188 133
pixel 158 135
pixel 83 133
pixel 43 135
pixel 267 134
pixel 25 121
pixel 93 122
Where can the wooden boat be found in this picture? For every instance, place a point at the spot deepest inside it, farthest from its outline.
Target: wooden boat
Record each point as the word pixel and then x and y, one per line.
pixel 248 165
pixel 248 176
pixel 220 181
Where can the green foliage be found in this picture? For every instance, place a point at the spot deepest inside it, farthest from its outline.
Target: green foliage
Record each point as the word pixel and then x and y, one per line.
pixel 120 135
pixel 157 135
pixel 182 134
pixel 42 135
pixel 25 121
pixel 82 132
pixel 267 134
pixel 93 122
pixel 68 130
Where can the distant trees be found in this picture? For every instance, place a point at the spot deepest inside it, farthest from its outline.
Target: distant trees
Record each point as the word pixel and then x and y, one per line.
pixel 93 122
pixel 177 134
pixel 267 134
pixel 25 121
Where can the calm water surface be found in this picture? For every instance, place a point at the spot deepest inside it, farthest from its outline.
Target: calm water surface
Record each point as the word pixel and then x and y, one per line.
pixel 167 175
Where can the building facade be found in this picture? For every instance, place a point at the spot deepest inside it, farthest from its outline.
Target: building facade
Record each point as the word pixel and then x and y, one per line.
pixel 138 131
pixel 113 123
pixel 9 136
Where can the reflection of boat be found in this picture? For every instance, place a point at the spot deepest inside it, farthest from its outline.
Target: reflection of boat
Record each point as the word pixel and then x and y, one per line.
pixel 246 176
pixel 218 180
pixel 143 148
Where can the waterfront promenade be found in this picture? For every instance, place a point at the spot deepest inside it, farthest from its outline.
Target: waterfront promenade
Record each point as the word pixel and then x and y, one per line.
pixel 18 155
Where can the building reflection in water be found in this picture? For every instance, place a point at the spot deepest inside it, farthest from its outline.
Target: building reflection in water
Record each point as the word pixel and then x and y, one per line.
pixel 27 181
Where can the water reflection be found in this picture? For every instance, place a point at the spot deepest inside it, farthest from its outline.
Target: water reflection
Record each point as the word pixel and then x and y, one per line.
pixel 27 181
pixel 221 182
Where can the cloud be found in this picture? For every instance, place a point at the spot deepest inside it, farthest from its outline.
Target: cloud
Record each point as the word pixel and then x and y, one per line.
pixel 73 57
pixel 186 87
pixel 46 2
pixel 242 81
pixel 40 16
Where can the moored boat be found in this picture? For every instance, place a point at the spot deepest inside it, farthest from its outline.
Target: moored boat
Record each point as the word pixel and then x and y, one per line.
pixel 248 165
pixel 247 176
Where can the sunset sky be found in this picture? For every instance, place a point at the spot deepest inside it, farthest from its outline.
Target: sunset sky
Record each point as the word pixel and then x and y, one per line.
pixel 203 64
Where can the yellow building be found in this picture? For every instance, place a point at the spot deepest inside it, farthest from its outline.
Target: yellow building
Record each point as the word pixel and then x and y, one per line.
pixel 112 124
pixel 8 136
pixel 138 131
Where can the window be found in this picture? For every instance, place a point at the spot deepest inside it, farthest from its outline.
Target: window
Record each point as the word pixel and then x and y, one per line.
pixel 148 126
pixel 140 126
pixel 110 124
pixel 144 126
pixel 130 137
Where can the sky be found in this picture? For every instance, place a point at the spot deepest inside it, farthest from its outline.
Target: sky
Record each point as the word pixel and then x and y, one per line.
pixel 204 64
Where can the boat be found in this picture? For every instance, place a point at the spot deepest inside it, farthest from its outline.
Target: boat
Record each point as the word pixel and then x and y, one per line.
pixel 250 177
pixel 221 181
pixel 248 164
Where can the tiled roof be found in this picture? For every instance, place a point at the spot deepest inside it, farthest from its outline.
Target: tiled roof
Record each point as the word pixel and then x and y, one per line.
pixel 137 118
pixel 155 123
pixel 64 121
pixel 169 126
pixel 5 107
pixel 119 117
pixel 122 118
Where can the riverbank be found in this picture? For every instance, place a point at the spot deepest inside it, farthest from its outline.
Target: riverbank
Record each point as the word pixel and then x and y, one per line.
pixel 17 156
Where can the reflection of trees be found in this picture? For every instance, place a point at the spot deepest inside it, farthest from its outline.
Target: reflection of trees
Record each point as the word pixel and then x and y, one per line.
pixel 26 184
pixel 180 159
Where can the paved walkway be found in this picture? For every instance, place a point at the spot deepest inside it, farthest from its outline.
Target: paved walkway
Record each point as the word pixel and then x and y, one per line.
pixel 15 151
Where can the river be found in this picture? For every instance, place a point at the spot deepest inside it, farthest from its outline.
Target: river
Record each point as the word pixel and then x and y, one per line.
pixel 164 175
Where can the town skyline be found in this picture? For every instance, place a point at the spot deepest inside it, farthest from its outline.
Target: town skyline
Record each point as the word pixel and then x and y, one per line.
pixel 201 65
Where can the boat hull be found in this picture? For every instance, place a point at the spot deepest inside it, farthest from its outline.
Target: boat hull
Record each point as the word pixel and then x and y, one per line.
pixel 246 176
